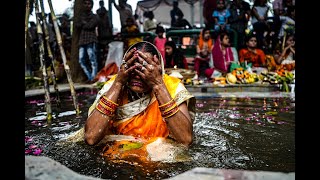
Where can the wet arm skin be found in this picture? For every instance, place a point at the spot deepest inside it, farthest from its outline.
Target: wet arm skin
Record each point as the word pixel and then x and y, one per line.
pixel 180 124
pixel 97 123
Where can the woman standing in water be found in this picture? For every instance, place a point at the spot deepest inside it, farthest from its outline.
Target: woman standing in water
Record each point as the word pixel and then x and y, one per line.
pixel 142 102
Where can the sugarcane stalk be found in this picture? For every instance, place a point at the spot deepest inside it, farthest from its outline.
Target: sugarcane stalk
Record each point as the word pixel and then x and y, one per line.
pixel 284 40
pixel 53 74
pixel 43 65
pixel 26 21
pixel 64 59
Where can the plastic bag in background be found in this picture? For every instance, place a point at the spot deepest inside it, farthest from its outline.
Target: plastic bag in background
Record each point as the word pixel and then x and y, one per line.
pixel 115 53
pixel 113 61
pixel 248 66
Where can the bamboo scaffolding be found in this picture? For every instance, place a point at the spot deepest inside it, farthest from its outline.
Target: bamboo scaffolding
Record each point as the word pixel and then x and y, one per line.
pixel 63 55
pixel 53 74
pixel 43 65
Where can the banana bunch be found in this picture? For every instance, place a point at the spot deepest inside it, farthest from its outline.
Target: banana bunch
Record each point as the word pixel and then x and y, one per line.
pixel 244 77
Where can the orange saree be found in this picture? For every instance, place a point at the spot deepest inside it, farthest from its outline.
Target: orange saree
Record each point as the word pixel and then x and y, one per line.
pixel 140 119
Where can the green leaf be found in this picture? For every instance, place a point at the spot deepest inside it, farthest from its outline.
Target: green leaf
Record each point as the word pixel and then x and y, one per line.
pixel 132 145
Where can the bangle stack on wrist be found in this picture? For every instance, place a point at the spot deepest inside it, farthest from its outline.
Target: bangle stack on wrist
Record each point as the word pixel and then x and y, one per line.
pixel 169 109
pixel 106 106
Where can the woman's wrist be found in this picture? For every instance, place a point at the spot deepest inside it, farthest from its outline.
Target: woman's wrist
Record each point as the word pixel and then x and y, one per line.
pixel 159 86
pixel 157 89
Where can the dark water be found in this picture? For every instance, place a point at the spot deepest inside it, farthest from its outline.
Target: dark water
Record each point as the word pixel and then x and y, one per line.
pixel 232 133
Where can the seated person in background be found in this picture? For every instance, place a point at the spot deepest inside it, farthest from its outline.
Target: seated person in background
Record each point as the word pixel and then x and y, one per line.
pixel 182 22
pixel 222 55
pixel 143 104
pixel 252 54
pixel 286 59
pixel 221 17
pixel 174 57
pixel 204 47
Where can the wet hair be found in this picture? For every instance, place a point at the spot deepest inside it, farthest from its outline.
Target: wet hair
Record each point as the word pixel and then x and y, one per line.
pixel 146 47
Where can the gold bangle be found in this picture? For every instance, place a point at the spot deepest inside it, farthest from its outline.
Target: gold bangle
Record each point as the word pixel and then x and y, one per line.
pixel 165 103
pixel 105 97
pixel 175 112
pixel 107 107
pixel 170 108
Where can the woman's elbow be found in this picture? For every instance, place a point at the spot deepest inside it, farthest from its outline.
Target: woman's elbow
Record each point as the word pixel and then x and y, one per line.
pixel 187 141
pixel 90 140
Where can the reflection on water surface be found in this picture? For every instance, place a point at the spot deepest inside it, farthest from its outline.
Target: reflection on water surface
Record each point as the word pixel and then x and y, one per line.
pixel 233 133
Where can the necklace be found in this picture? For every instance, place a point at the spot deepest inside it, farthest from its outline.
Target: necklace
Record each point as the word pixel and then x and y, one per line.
pixel 133 95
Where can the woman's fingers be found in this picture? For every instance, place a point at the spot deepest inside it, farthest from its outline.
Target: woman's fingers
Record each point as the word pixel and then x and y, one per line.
pixel 131 60
pixel 144 57
pixel 156 60
pixel 129 54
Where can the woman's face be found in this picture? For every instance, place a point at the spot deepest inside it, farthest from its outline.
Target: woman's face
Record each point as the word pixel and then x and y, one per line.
pixel 169 50
pixel 252 43
pixel 225 41
pixel 135 82
pixel 290 41
pixel 207 35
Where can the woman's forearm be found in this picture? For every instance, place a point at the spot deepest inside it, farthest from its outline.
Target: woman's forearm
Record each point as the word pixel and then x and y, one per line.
pixel 178 121
pixel 97 123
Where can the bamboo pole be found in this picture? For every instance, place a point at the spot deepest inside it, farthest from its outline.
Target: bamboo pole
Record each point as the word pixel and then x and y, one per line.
pixel 53 74
pixel 63 55
pixel 43 65
pixel 26 21
pixel 284 40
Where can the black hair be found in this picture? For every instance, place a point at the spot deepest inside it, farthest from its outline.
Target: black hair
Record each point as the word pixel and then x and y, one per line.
pixel 159 29
pixel 175 3
pixel 206 28
pixel 249 36
pixel 176 55
pixel 223 34
pixel 91 1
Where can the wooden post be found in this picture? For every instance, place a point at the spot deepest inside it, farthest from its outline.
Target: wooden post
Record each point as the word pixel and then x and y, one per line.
pixel 63 55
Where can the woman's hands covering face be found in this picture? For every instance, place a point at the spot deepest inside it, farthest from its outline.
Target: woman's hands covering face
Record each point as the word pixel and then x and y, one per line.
pixel 149 68
pixel 143 64
pixel 127 67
